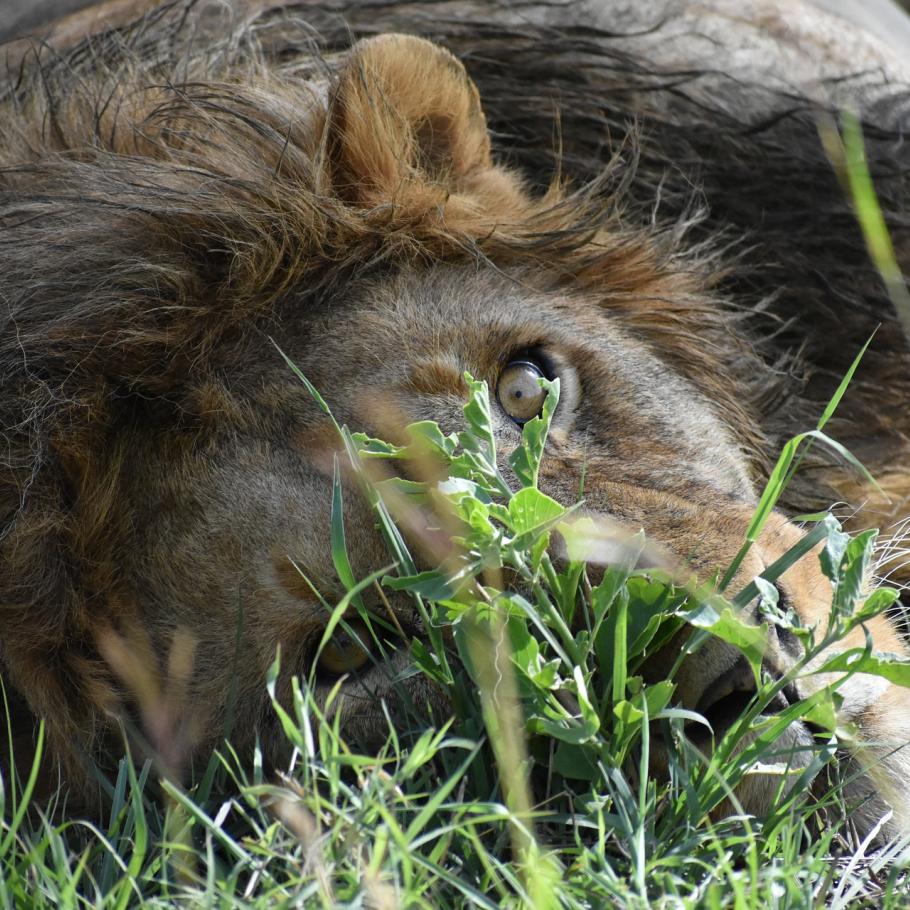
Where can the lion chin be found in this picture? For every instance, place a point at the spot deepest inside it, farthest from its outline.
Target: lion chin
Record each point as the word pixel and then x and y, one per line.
pixel 168 208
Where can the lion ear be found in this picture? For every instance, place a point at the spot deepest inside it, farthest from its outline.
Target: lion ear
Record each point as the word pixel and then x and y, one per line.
pixel 405 117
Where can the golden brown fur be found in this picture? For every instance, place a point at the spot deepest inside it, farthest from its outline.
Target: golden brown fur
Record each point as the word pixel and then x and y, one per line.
pixel 166 208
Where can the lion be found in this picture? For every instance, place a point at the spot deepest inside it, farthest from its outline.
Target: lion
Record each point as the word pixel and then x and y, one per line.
pixel 182 196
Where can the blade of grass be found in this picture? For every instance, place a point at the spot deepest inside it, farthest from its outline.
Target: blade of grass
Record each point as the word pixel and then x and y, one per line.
pixel 848 153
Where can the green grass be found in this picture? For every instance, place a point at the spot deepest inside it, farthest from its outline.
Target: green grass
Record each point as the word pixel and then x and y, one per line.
pixel 536 792
pixel 535 789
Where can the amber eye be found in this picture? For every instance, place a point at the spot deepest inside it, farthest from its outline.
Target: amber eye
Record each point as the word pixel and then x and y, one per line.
pixel 342 652
pixel 518 391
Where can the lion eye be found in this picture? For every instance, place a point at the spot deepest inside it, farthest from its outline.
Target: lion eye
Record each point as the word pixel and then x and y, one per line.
pixel 343 653
pixel 518 390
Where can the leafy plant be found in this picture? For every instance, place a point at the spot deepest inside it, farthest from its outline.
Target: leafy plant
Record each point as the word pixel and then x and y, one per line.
pixel 538 789
pixel 551 662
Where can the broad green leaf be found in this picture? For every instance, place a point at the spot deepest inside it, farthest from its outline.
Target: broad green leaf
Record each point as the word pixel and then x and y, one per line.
pixel 426 437
pixel 588 711
pixel 368 447
pixel 433 584
pixel 525 647
pixel 525 460
pixel 877 602
pixel 651 604
pixel 531 510
pixel 648 702
pixel 456 488
pixel 856 560
pixel 574 762
pixel 727 625
pixel 823 711
pixel 573 731
pixel 893 667
pixel 835 546
pixel 628 714
pixel 657 696
pixel 480 420
pixel 414 490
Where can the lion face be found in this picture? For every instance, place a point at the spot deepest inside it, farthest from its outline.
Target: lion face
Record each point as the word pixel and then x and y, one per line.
pixel 240 569
pixel 253 521
pixel 177 526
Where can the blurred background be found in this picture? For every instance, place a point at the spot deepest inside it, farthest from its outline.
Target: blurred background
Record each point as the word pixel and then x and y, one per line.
pixel 885 18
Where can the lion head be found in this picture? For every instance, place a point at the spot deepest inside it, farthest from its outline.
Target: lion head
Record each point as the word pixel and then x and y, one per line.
pixel 169 221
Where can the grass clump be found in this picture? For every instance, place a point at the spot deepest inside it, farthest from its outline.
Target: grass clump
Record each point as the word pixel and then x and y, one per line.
pixel 537 787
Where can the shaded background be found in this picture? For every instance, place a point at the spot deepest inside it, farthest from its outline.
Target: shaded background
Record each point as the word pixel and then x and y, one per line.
pixel 883 17
pixel 18 17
